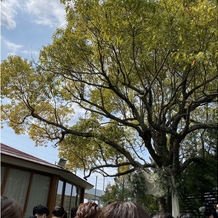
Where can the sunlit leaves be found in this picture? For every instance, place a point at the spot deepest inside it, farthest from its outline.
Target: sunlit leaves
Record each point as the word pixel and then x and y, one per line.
pixel 86 152
pixel 30 97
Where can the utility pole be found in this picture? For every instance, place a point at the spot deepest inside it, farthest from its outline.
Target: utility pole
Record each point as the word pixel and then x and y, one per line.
pixel 96 182
pixel 103 183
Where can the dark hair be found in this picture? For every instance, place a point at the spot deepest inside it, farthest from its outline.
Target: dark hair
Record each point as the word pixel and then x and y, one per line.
pixel 58 211
pixel 65 214
pixel 10 208
pixel 73 212
pixel 88 210
pixel 40 209
pixel 121 209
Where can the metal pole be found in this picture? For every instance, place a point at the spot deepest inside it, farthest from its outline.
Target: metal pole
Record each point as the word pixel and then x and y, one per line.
pixel 103 183
pixel 95 187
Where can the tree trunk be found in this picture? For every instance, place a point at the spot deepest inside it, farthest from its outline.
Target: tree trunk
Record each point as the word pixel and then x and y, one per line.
pixel 164 204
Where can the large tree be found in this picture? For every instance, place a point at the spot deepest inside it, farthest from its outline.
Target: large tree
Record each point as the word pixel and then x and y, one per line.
pixel 140 76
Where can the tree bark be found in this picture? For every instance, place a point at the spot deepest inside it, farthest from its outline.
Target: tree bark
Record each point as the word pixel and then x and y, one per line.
pixel 164 204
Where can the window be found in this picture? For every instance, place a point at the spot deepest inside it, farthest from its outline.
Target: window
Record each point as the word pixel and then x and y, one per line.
pixel 78 196
pixel 74 197
pixel 67 197
pixel 71 196
pixel 17 185
pixel 38 192
pixel 2 173
pixel 59 193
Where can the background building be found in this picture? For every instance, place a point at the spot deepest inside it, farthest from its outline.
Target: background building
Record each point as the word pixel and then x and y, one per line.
pixel 32 181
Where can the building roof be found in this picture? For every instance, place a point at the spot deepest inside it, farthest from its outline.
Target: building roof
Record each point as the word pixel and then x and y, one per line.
pixel 16 157
pixel 5 149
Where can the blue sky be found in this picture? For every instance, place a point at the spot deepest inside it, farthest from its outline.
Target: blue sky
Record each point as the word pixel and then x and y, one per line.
pixel 26 26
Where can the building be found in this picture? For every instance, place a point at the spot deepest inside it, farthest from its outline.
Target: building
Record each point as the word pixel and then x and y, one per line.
pixel 32 181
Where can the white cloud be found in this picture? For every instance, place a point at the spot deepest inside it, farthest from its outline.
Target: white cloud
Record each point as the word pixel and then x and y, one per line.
pixel 50 12
pixel 8 12
pixel 12 47
pixel 18 49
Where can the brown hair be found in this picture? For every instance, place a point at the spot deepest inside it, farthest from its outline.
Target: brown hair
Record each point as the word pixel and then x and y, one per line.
pixel 88 210
pixel 58 211
pixel 10 208
pixel 121 209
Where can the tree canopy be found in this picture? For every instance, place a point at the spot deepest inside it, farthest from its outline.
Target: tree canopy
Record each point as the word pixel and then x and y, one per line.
pixel 126 85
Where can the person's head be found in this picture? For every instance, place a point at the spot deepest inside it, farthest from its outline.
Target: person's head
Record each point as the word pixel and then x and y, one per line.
pixel 10 208
pixel 58 211
pixel 73 212
pixel 88 210
pixel 185 215
pixel 121 209
pixel 40 211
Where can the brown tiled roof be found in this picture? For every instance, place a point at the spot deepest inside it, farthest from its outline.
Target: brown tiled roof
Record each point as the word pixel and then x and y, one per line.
pixel 7 150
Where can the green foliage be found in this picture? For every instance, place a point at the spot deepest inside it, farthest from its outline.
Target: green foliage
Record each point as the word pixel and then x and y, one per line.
pixel 197 180
pixel 125 189
pixel 117 192
pixel 82 154
pixel 138 187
